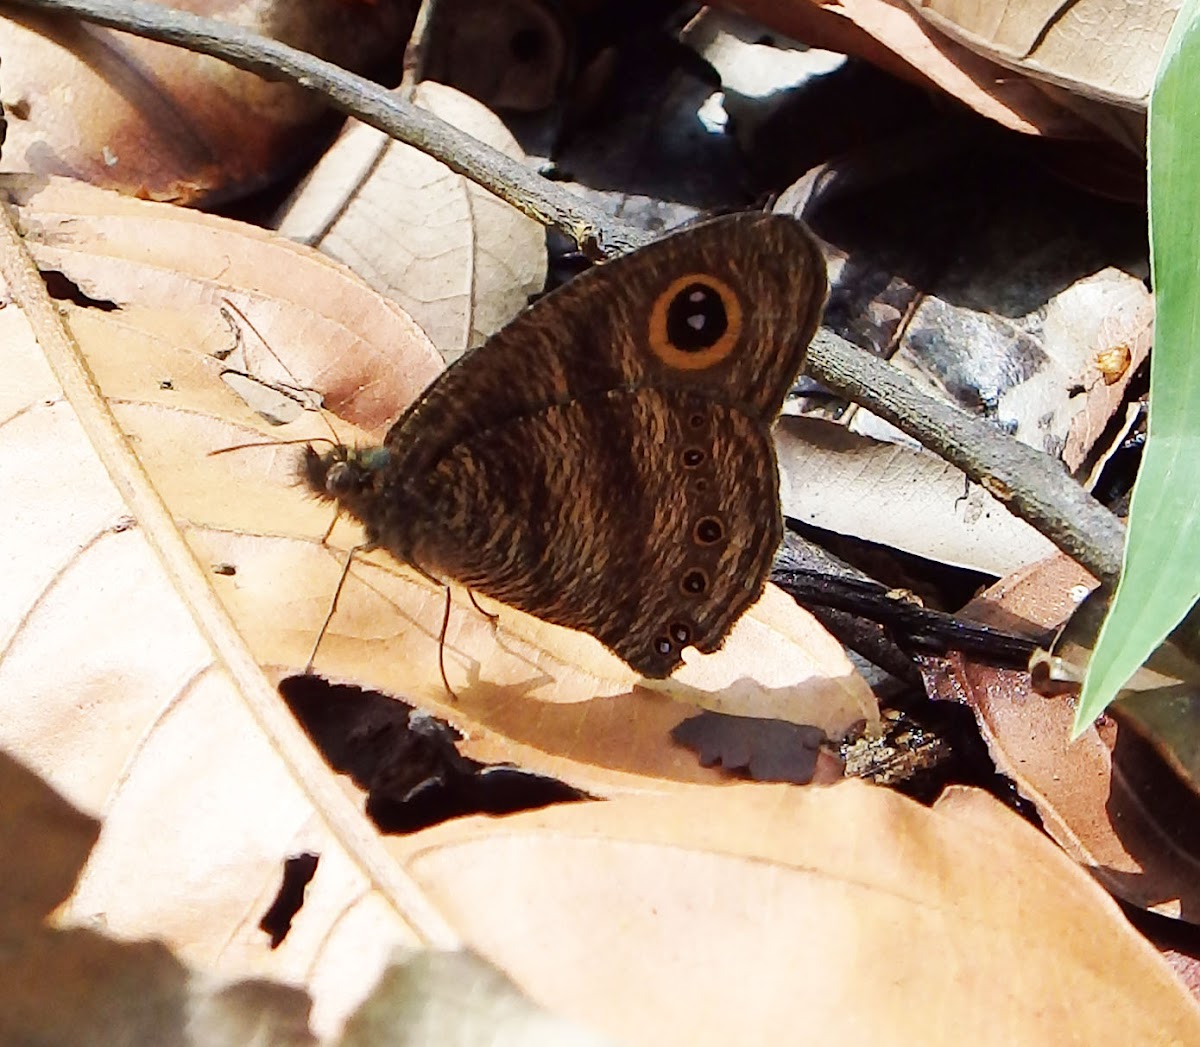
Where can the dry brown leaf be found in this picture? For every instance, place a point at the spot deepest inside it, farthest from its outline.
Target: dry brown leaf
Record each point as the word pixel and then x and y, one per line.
pixel 1100 796
pixel 1103 49
pixel 460 261
pixel 159 121
pixel 891 35
pixel 748 914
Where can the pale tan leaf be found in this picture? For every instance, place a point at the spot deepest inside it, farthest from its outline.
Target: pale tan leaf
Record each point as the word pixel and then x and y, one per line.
pixel 898 496
pixel 460 261
pixel 759 914
pixel 78 985
pixel 123 682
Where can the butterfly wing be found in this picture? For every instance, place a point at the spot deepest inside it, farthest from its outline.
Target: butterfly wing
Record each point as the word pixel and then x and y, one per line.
pixel 605 461
pixel 648 518
pixel 726 307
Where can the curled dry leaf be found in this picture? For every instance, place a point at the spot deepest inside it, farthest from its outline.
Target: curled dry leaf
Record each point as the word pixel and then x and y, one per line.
pixel 161 122
pixel 892 35
pixel 1104 51
pixel 848 912
pixel 1105 797
pixel 460 261
pixel 899 497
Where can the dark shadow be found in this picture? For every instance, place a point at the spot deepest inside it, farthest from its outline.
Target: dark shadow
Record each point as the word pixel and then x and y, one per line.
pixel 408 762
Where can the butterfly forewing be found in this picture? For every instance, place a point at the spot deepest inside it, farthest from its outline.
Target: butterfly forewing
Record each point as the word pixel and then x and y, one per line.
pixel 598 333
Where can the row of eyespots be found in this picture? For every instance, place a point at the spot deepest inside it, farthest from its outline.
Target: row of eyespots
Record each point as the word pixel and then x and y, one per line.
pixel 708 530
pixel 695 323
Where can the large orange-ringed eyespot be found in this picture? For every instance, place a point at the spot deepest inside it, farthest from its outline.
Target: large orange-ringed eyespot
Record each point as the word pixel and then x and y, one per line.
pixel 695 322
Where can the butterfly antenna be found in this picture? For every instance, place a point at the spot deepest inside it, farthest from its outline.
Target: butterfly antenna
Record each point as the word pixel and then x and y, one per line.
pixel 230 308
pixel 275 443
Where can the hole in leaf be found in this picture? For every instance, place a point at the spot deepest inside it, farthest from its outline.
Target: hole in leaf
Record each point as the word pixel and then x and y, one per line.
pixel 277 920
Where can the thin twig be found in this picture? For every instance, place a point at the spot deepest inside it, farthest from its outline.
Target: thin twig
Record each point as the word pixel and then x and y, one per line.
pixel 416 53
pixel 1034 485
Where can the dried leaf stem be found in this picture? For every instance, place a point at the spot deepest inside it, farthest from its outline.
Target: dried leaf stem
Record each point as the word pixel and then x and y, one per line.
pixel 1033 484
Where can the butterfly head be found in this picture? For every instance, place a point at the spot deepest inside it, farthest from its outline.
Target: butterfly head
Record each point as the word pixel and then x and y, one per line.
pixel 349 476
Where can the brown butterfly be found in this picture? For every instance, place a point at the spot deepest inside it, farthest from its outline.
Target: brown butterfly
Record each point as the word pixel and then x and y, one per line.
pixel 605 461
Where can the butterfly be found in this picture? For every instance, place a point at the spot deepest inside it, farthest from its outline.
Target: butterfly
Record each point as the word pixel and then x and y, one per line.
pixel 605 461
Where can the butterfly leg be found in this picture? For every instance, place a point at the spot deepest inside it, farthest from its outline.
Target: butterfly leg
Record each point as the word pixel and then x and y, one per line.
pixel 365 547
pixel 329 531
pixel 442 647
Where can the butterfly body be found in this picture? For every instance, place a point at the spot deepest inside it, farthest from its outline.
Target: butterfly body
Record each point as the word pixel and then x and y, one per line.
pixel 605 462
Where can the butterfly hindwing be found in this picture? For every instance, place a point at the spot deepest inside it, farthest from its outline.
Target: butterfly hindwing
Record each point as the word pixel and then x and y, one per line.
pixel 648 519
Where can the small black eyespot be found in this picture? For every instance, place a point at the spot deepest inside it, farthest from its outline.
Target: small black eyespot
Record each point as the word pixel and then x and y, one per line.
pixel 694 583
pixel 709 530
pixel 662 645
pixel 696 420
pixel 700 485
pixel 692 457
pixel 680 633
